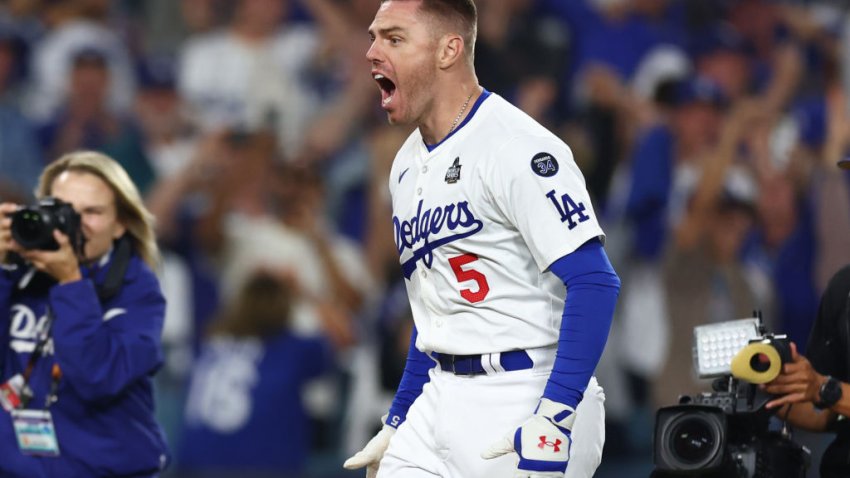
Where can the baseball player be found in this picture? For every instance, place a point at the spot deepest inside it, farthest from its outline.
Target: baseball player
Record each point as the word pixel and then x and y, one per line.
pixel 492 223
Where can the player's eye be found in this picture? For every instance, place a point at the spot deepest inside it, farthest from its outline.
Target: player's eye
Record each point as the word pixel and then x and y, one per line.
pixel 395 40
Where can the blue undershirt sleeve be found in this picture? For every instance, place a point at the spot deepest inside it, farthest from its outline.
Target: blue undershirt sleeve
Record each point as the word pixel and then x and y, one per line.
pixel 592 290
pixel 412 381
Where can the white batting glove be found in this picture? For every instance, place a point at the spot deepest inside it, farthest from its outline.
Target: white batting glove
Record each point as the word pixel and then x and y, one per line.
pixel 371 454
pixel 542 442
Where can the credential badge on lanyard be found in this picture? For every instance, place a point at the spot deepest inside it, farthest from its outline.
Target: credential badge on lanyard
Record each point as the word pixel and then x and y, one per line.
pixel 33 428
pixel 35 432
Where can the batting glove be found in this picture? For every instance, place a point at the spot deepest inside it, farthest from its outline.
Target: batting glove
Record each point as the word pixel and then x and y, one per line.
pixel 542 442
pixel 371 454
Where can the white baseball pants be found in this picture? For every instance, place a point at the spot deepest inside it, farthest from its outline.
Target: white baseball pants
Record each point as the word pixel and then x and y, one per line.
pixel 457 417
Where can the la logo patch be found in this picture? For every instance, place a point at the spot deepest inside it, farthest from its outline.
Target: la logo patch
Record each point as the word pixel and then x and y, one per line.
pixel 544 164
pixel 453 173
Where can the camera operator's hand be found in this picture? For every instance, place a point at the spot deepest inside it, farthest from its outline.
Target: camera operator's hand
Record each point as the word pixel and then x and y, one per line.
pixel 62 264
pixel 798 382
pixel 7 244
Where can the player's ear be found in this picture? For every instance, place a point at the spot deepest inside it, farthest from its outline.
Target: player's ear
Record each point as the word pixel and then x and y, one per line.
pixel 450 50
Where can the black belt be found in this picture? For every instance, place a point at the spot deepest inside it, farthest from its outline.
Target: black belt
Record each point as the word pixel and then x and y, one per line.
pixel 472 364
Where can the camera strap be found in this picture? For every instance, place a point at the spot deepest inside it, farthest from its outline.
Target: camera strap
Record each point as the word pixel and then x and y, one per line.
pixel 117 268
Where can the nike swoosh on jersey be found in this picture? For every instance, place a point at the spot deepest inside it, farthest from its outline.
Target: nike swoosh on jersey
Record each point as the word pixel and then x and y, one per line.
pixel 400 176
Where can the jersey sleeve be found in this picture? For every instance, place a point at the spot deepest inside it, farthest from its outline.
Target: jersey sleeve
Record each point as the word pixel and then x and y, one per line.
pixel 101 352
pixel 538 188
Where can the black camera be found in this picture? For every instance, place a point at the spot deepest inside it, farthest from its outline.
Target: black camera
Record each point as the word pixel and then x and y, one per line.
pixel 726 433
pixel 33 226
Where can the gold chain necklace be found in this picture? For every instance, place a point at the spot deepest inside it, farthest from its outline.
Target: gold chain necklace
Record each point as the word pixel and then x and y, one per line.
pixel 462 109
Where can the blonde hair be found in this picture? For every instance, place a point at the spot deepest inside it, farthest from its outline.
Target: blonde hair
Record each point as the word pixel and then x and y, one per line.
pixel 131 211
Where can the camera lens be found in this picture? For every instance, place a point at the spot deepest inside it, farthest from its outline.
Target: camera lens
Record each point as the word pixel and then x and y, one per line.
pixel 693 440
pixel 28 227
pixel 32 228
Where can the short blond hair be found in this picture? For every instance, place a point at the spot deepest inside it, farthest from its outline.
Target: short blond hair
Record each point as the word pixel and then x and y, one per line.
pixel 131 211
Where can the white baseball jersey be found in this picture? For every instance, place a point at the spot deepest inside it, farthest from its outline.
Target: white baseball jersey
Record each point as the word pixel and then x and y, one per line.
pixel 477 223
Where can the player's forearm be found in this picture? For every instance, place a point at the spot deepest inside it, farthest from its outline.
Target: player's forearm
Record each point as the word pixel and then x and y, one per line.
pixel 412 381
pixel 592 291
pixel 584 332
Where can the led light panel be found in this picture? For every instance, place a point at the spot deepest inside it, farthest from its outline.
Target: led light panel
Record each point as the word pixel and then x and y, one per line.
pixel 716 344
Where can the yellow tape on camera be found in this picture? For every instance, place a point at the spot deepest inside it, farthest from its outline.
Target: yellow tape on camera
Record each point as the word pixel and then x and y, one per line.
pixel 742 363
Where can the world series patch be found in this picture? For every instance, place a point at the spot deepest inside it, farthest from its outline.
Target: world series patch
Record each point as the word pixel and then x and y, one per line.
pixel 453 173
pixel 544 164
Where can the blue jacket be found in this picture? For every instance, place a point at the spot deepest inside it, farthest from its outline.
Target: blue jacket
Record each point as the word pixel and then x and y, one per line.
pixel 104 416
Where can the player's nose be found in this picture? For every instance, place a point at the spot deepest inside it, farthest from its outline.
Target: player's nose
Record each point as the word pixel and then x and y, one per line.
pixel 373 54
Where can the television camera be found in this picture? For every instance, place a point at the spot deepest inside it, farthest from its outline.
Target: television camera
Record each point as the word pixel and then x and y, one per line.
pixel 726 432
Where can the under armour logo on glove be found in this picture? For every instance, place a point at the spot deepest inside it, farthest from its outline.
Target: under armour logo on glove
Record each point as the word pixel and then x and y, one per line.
pixel 542 442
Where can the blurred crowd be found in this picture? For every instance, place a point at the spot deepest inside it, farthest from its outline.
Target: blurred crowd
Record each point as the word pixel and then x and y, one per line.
pixel 707 131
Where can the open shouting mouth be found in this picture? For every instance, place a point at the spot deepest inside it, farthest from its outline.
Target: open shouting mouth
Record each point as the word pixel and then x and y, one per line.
pixel 387 88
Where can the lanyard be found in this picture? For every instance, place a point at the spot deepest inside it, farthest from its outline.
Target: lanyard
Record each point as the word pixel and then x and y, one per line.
pixel 41 342
pixel 37 353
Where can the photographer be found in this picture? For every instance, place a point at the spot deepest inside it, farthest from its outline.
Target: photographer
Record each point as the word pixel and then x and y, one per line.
pixel 814 392
pixel 80 329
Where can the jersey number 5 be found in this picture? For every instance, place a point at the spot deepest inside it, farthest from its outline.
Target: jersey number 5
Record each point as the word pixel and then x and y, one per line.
pixel 462 275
